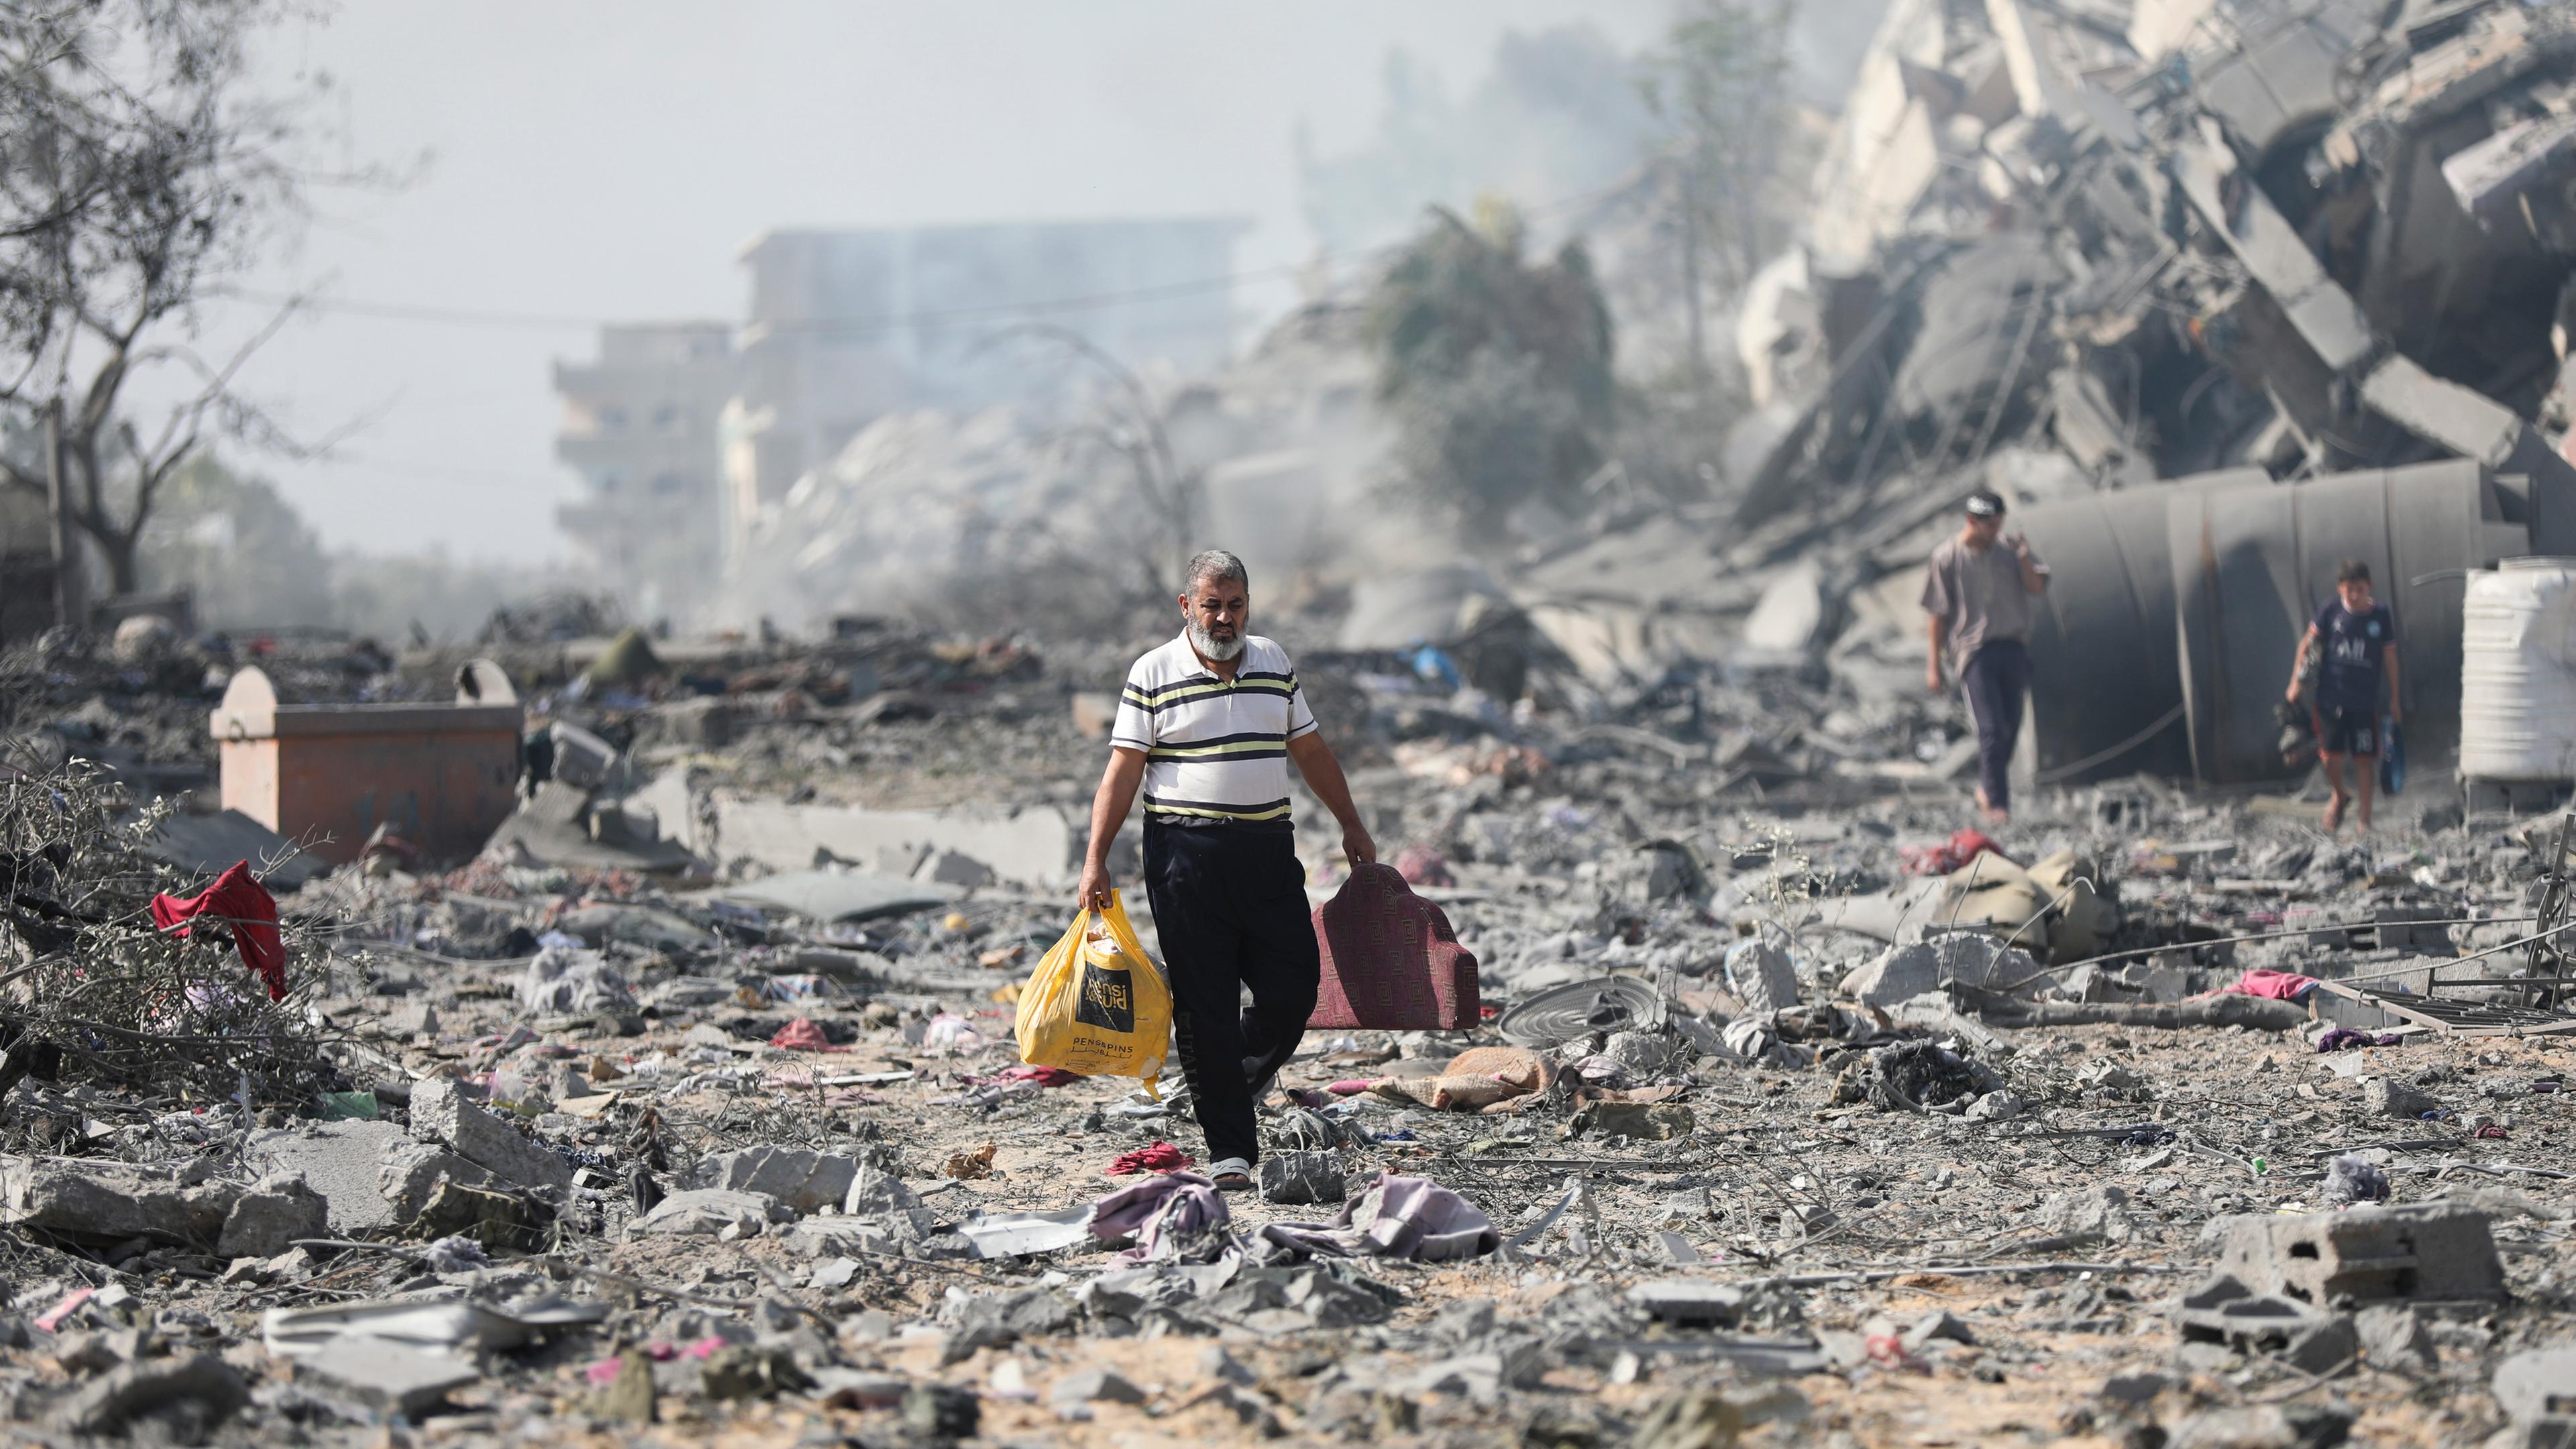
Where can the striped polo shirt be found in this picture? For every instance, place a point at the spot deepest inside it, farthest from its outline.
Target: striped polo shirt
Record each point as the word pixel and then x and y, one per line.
pixel 1216 753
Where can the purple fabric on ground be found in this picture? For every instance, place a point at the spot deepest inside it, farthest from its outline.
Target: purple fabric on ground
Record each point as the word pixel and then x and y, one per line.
pixel 1165 1208
pixel 1397 1217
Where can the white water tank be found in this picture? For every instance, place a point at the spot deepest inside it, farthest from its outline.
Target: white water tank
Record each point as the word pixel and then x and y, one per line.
pixel 2518 671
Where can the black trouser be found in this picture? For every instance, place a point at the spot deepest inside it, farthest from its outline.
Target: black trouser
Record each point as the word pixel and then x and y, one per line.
pixel 1997 677
pixel 1230 907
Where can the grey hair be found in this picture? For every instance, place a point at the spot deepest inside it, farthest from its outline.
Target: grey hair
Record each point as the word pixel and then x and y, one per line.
pixel 1215 564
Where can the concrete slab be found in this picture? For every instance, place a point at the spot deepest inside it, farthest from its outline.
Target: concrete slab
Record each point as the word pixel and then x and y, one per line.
pixel 341 1161
pixel 388 1377
pixel 441 1113
pixel 828 896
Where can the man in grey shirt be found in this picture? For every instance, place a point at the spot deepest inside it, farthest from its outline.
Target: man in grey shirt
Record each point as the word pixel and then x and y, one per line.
pixel 1977 590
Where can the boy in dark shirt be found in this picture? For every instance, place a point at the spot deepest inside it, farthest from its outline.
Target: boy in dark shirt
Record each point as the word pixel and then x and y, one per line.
pixel 2354 639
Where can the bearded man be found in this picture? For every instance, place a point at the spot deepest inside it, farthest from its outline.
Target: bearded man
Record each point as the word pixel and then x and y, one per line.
pixel 1207 725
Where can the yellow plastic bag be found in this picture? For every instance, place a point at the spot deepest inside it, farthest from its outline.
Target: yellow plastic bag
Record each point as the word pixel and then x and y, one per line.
pixel 1096 1005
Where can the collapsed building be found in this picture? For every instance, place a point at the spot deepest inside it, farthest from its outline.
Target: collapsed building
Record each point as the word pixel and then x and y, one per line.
pixel 2217 294
pixel 1754 1105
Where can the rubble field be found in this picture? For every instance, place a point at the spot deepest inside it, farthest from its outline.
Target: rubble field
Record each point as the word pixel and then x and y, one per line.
pixel 1790 1114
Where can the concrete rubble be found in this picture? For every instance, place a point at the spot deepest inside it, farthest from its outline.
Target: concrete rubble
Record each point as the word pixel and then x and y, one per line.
pixel 1782 1110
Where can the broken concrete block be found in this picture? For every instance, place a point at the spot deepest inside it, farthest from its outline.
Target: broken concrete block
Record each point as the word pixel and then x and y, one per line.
pixel 749 1371
pixel 440 1113
pixel 1657 1122
pixel 704 723
pixel 957 868
pixel 2263 1426
pixel 2393 1336
pixel 98 1201
pixel 2537 1383
pixel 410 1172
pixel 1693 1301
pixel 1900 973
pixel 1643 1053
pixel 1974 958
pixel 196 1392
pixel 343 1161
pixel 941 1413
pixel 804 1180
pixel 488 1215
pixel 710 1212
pixel 1940 1323
pixel 1762 976
pixel 2098 1214
pixel 1302 1177
pixel 2435 1252
pixel 385 1376
pixel 267 1220
pixel 2225 1312
pixel 2381 1097
pixel 1094 1386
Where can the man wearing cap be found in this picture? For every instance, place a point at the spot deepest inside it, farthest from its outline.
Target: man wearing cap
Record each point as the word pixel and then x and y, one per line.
pixel 1977 590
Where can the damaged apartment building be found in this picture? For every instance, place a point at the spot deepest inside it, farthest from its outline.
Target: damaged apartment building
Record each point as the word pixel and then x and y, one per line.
pixel 2218 291
pixel 682 432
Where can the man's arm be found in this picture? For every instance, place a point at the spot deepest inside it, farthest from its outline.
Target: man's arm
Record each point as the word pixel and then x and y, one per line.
pixel 1109 807
pixel 2396 711
pixel 2298 657
pixel 1940 636
pixel 1324 776
pixel 2034 574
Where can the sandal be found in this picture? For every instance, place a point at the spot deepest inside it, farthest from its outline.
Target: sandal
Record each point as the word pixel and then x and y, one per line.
pixel 1231 1174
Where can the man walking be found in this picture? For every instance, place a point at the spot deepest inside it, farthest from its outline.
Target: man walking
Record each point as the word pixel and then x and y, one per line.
pixel 1977 590
pixel 1207 725
pixel 2356 641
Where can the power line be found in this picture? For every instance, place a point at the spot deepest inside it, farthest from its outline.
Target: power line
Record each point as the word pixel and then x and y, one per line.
pixel 828 326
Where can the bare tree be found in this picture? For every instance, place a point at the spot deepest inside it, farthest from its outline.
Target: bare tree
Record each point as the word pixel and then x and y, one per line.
pixel 136 171
pixel 1130 423
pixel 1720 85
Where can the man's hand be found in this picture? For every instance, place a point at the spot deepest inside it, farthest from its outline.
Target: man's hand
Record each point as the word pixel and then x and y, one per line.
pixel 1358 847
pixel 1932 678
pixel 2292 693
pixel 1093 893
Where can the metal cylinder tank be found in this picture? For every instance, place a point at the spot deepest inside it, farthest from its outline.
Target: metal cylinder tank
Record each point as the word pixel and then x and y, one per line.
pixel 2103 663
pixel 2252 564
pixel 2192 597
pixel 2518 672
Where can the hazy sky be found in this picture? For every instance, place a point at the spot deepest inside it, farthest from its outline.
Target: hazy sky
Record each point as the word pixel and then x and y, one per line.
pixel 601 160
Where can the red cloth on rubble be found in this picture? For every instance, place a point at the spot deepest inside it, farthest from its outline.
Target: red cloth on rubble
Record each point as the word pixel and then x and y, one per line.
pixel 1390 961
pixel 1043 1076
pixel 1161 1157
pixel 243 904
pixel 2278 985
pixel 1963 846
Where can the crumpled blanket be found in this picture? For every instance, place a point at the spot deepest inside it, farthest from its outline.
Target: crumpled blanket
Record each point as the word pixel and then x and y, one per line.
pixel 2346 1039
pixel 1170 1215
pixel 2278 985
pixel 243 904
pixel 1397 1217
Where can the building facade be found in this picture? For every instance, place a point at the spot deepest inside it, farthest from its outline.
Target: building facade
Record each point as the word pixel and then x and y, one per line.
pixel 847 326
pixel 641 427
